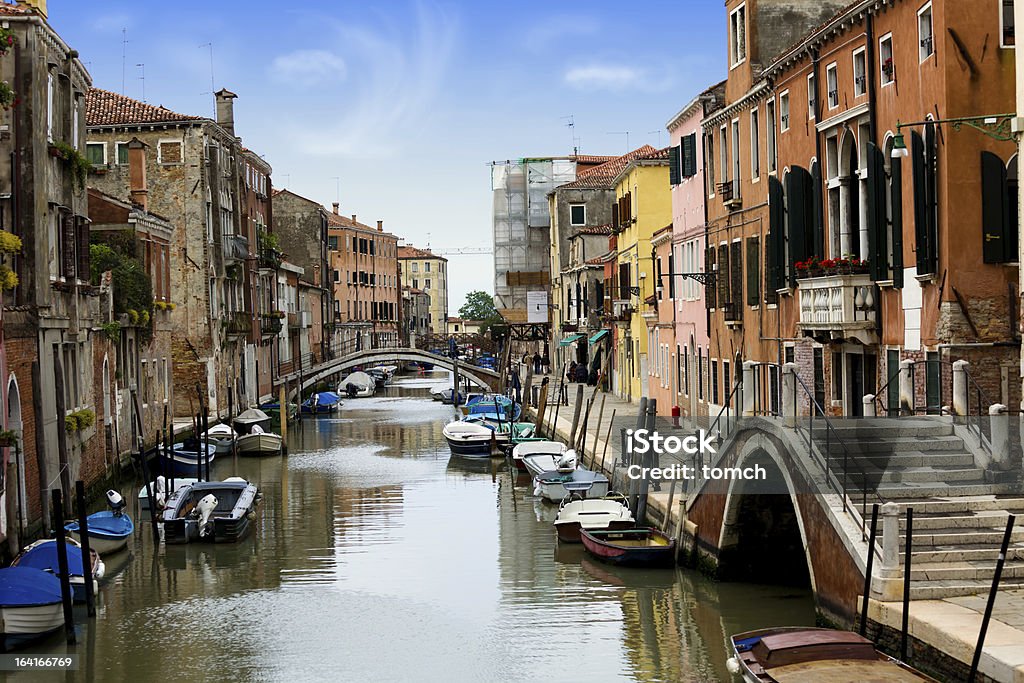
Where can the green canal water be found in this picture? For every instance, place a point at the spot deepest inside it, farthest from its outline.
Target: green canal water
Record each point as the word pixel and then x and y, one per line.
pixel 377 556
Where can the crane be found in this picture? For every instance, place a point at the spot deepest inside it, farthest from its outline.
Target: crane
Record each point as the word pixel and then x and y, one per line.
pixel 462 251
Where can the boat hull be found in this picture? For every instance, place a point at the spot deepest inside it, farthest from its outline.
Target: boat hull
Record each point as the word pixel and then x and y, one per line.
pixel 480 448
pixel 23 625
pixel 569 532
pixel 181 531
pixel 183 463
pixel 609 546
pixel 230 521
pixel 104 545
pixel 555 491
pixel 259 444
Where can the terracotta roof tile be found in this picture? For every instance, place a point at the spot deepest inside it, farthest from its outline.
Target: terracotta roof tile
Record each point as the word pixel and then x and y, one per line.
pixel 14 10
pixel 105 108
pixel 409 251
pixel 589 159
pixel 601 177
pixel 605 229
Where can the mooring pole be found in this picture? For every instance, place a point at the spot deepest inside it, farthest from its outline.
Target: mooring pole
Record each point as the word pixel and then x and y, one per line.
pixel 206 440
pixel 83 534
pixel 993 591
pixel 607 438
pixel 62 566
pixel 906 585
pixel 576 415
pixel 867 571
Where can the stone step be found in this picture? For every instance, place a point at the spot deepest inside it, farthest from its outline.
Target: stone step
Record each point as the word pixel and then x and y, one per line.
pixel 935 590
pixel 987 553
pixel 887 427
pixel 911 490
pixel 958 571
pixel 983 520
pixel 920 475
pixel 945 505
pixel 957 538
pixel 895 445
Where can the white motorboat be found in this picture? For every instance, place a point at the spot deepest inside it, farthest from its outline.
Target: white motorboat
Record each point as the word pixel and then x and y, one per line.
pixel 30 605
pixel 259 443
pixel 160 491
pixel 245 420
pixel 357 384
pixel 539 463
pixel 470 439
pixel 521 450
pixel 222 436
pixel 592 514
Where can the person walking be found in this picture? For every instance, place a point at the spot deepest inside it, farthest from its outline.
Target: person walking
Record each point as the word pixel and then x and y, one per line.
pixel 545 361
pixel 536 362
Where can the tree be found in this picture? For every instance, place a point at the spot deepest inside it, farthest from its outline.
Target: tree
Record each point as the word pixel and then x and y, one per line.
pixel 479 306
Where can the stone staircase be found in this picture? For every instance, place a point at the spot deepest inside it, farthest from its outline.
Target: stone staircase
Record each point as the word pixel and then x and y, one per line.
pixel 959 516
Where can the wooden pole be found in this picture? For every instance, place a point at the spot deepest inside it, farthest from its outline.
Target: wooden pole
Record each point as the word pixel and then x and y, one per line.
pixel 867 570
pixel 607 439
pixel 83 534
pixel 993 592
pixel 282 395
pixel 542 408
pixel 908 544
pixel 62 566
pixel 597 427
pixel 576 415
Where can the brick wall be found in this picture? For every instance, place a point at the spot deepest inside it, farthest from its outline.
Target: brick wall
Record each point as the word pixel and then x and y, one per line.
pixel 21 354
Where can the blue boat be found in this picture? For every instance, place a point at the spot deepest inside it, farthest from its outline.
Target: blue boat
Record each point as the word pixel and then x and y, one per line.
pixel 323 403
pixel 184 458
pixel 108 531
pixel 30 605
pixel 42 555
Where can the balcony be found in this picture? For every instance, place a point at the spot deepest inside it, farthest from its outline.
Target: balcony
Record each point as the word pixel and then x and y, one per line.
pixel 838 307
pixel 236 248
pixel 730 193
pixel 237 323
pixel 300 320
pixel 270 259
pixel 270 325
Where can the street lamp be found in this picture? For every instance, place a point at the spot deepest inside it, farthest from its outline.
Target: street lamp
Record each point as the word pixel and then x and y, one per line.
pixel 997 126
pixel 899 147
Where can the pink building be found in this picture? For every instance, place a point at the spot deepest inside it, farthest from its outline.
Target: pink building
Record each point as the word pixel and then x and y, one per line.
pixel 659 313
pixel 686 294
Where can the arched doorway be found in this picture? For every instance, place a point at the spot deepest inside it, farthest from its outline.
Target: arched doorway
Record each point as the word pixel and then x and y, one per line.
pixel 15 502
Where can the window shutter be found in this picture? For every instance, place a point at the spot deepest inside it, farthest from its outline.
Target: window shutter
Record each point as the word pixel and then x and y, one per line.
pixel 924 207
pixel 896 189
pixel 83 249
pixel 878 243
pixel 753 271
pixel 615 215
pixel 673 165
pixel 775 253
pixel 736 279
pixel 931 197
pixel 68 246
pixel 711 290
pixel 689 154
pixel 818 212
pixel 671 273
pixel 797 217
pixel 724 276
pixel 995 210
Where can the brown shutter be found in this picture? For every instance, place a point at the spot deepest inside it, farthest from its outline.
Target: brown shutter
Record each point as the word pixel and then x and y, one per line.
pixel 724 279
pixel 753 271
pixel 736 278
pixel 711 290
pixel 67 238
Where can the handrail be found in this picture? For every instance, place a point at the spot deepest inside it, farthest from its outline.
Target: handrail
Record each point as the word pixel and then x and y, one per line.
pixel 728 402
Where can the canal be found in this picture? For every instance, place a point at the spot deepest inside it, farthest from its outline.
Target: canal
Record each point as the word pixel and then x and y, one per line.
pixel 377 556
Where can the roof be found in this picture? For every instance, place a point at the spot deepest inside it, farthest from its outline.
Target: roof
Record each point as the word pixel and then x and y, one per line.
pixel 335 220
pixel 591 158
pixel 409 251
pixel 603 176
pixel 15 11
pixel 605 229
pixel 105 108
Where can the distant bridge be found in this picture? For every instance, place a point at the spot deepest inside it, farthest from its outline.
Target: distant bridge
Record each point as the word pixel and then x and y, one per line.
pixel 397 356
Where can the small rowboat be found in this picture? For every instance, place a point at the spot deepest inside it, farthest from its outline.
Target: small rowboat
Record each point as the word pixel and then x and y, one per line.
pixel 260 443
pixel 223 437
pixel 43 555
pixel 643 547
pixel 30 605
pixel 797 654
pixel 108 531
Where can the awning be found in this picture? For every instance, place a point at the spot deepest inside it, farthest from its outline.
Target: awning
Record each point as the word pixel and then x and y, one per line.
pixel 570 339
pixel 598 336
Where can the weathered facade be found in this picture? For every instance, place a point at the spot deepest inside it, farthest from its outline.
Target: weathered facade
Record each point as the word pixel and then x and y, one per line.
pixel 422 269
pixel 415 315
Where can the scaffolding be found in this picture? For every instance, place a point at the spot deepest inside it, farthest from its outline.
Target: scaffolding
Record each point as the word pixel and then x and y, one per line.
pixel 521 224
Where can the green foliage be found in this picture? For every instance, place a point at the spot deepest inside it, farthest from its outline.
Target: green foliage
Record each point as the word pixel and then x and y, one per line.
pixel 268 241
pixel 111 331
pixel 70 423
pixel 79 420
pixel 132 288
pixel 8 437
pixel 479 306
pixel 74 162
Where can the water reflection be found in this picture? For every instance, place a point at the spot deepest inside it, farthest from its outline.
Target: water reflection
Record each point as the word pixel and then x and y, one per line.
pixel 376 556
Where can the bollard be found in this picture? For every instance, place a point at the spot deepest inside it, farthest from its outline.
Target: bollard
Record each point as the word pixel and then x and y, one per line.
pixel 960 369
pixel 869 405
pixel 676 412
pixel 890 538
pixel 907 402
pixel 789 407
pixel 1000 425
pixel 747 388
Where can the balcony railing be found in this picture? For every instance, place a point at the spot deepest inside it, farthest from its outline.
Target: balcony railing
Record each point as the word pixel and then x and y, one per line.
pixel 270 258
pixel 236 248
pixel 238 323
pixel 839 307
pixel 270 326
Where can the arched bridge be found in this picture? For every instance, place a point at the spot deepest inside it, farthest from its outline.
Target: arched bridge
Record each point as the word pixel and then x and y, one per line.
pixel 398 356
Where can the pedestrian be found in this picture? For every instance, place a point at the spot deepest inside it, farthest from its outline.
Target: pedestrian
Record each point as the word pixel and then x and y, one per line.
pixel 572 372
pixel 546 362
pixel 536 363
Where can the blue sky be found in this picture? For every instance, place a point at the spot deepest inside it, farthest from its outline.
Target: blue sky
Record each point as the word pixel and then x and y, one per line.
pixel 406 103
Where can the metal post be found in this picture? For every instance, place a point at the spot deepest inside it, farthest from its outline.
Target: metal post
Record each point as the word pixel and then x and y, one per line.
pixel 993 591
pixel 62 566
pixel 83 534
pixel 906 585
pixel 867 570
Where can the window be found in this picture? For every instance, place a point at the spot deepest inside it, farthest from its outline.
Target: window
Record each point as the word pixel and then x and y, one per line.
pixel 926 42
pixel 784 111
pixel 426 284
pixel 860 73
pixel 710 157
pixel 415 267
pixel 753 271
pixel 169 152
pixel 122 153
pixel 700 375
pixel 332 242
pixel 577 214
pixel 426 266
pixel 1008 37
pixel 769 119
pixel 886 67
pixel 736 158
pixel 755 144
pixel 415 283
pixel 812 97
pixel 832 80
pixel 714 382
pixel 738 35
pixel 96 153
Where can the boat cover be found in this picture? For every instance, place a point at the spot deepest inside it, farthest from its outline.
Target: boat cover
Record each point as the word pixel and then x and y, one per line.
pixel 44 556
pixel 27 587
pixel 106 523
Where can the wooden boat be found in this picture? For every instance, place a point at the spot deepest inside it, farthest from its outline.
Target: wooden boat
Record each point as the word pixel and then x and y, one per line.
pixel 262 443
pixel 245 420
pixel 30 605
pixel 814 655
pixel 469 439
pixel 42 555
pixel 222 436
pixel 357 384
pixel 539 447
pixel 641 547
pixel 273 409
pixel 109 530
pixel 593 514
pixel 210 511
pixel 160 491
pixel 184 458
pixel 554 486
pixel 322 403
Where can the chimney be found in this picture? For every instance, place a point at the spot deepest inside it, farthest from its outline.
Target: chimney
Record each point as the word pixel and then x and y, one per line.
pixel 380 226
pixel 354 218
pixel 38 5
pixel 226 110
pixel 336 206
pixel 137 184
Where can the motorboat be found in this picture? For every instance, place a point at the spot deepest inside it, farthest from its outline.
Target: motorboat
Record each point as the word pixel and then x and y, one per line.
pixel 30 605
pixel 185 458
pixel 43 555
pixel 470 439
pixel 547 460
pixel 260 443
pixel 245 420
pixel 780 655
pixel 159 486
pixel 109 530
pixel 222 436
pixel 593 514
pixel 640 547
pixel 210 511
pixel 553 486
pixel 322 403
pixel 539 447
pixel 273 409
pixel 357 384
pixel 380 378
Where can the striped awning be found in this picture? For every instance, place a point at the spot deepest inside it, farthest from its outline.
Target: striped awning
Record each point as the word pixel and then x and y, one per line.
pixel 569 339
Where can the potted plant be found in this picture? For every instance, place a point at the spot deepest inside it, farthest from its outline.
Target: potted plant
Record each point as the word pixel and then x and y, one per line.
pixel 8 438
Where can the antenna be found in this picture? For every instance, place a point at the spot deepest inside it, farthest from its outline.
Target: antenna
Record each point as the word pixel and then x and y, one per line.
pixel 143 79
pixel 124 57
pixel 289 178
pixel 571 125
pixel 213 87
pixel 623 132
pixel 658 133
pixel 337 188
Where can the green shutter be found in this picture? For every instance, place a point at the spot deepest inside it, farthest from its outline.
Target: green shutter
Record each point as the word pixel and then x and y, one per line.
pixel 896 172
pixel 673 166
pixel 689 155
pixel 931 197
pixel 776 247
pixel 818 212
pixel 918 167
pixel 753 271
pixel 797 204
pixel 710 291
pixel 878 243
pixel 995 209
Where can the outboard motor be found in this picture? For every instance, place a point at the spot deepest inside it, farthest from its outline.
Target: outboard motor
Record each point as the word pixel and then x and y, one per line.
pixel 116 502
pixel 567 461
pixel 204 510
pixel 160 492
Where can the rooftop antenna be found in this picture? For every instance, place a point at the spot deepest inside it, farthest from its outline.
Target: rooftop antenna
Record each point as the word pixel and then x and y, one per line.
pixel 621 132
pixel 288 177
pixel 124 57
pixel 571 125
pixel 143 79
pixel 337 188
pixel 658 133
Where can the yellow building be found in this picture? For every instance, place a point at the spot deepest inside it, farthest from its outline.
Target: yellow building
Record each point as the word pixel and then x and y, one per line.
pixel 643 206
pixel 424 270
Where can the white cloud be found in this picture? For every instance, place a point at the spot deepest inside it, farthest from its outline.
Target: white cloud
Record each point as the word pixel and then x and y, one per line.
pixel 614 77
pixel 306 68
